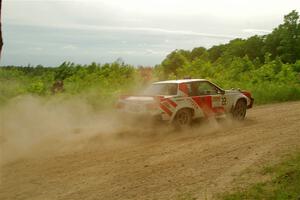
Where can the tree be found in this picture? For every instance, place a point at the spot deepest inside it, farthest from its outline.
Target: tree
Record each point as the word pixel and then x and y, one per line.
pixel 199 52
pixel 272 42
pixel 216 52
pixel 290 41
pixel 284 41
pixel 236 48
pixel 174 61
pixel 254 47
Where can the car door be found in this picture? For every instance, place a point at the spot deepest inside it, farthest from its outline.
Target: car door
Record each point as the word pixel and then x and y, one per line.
pixel 208 97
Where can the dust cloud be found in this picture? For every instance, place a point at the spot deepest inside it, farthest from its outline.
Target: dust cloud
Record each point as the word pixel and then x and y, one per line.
pixel 37 127
pixel 31 126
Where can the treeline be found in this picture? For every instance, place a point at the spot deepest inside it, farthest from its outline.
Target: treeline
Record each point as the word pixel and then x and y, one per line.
pixel 282 44
pixel 98 83
pixel 268 65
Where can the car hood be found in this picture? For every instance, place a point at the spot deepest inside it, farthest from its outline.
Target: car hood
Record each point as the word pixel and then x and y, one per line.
pixel 232 91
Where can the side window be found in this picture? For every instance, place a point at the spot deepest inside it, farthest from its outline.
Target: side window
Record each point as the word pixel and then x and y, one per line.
pixel 202 88
pixel 172 89
pixel 205 88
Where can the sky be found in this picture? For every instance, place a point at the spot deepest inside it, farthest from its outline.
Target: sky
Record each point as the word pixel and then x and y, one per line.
pixel 141 32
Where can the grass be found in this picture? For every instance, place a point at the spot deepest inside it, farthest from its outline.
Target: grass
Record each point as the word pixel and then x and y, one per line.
pixel 284 185
pixel 272 93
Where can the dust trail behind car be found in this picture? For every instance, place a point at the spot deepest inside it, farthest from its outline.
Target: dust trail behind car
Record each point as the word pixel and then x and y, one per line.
pixel 34 127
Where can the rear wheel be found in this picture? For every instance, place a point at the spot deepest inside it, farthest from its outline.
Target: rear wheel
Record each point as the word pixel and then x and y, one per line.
pixel 239 111
pixel 183 118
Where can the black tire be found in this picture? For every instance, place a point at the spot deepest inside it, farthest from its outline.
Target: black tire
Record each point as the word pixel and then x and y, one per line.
pixel 240 109
pixel 183 119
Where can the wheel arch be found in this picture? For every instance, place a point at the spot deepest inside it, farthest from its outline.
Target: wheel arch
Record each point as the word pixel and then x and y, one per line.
pixel 183 108
pixel 241 98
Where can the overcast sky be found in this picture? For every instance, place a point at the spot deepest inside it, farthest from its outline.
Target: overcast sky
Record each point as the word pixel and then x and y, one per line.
pixel 141 32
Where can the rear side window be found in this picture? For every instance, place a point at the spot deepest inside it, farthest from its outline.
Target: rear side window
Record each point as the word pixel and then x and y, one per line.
pixel 162 89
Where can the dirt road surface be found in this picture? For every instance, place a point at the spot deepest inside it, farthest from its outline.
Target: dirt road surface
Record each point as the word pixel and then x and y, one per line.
pixel 198 163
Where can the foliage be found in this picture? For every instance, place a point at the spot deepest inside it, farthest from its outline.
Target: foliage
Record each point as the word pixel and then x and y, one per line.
pixel 96 83
pixel 268 66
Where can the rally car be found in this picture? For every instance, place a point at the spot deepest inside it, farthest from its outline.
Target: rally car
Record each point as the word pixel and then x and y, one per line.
pixel 181 101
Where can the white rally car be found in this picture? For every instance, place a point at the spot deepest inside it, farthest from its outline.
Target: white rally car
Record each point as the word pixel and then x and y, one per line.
pixel 181 101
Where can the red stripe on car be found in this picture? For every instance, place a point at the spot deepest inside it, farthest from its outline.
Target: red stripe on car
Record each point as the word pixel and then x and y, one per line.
pixel 183 88
pixel 218 110
pixel 205 104
pixel 172 103
pixel 165 109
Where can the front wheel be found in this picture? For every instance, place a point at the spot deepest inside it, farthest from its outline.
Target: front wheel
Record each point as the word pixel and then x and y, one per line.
pixel 239 111
pixel 183 118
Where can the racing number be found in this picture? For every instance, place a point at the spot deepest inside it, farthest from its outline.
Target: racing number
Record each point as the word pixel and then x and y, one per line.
pixel 224 101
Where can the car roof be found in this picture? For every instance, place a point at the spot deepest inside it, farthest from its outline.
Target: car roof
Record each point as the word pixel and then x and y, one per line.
pixel 180 81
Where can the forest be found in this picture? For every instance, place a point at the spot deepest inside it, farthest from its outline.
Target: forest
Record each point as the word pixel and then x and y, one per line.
pixel 267 65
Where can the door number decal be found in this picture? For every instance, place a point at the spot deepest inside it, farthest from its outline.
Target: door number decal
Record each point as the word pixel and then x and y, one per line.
pixel 224 101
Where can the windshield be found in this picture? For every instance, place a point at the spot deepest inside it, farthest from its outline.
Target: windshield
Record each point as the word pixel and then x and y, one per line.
pixel 162 89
